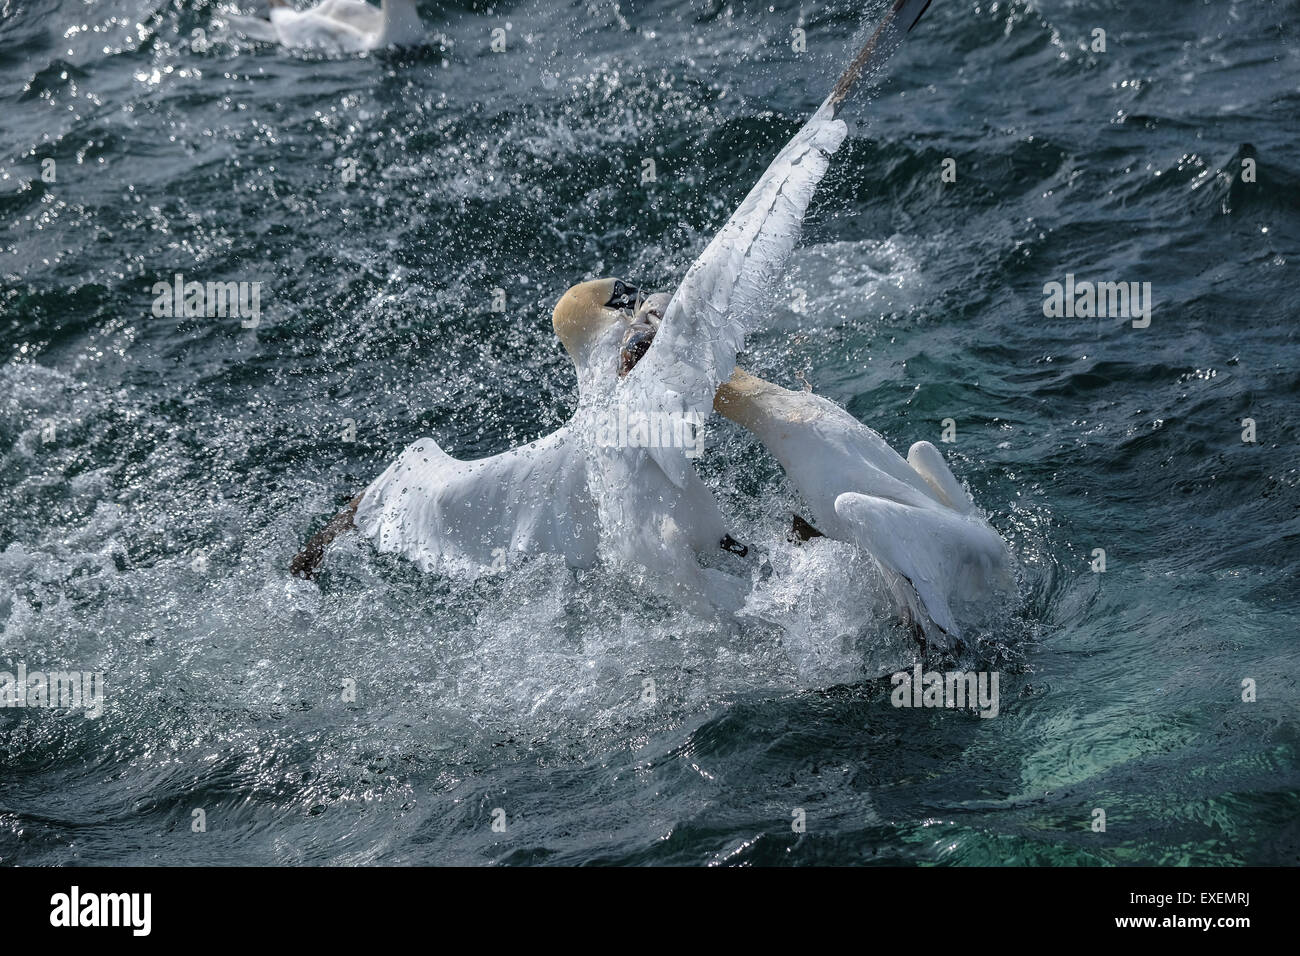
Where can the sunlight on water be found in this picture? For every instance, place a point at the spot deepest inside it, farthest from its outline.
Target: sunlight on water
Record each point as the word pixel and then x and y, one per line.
pixel 160 470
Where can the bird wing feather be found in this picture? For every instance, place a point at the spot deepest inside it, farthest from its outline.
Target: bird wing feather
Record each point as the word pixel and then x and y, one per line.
pixel 444 513
pixel 723 295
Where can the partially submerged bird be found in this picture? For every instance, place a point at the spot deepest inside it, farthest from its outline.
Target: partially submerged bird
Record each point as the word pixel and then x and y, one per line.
pixel 934 548
pixel 913 517
pixel 346 26
pixel 572 494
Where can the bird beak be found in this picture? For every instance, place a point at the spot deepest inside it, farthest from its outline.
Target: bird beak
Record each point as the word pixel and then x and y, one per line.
pixel 624 298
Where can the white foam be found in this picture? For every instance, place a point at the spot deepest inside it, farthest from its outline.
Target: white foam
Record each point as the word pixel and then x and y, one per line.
pixel 858 281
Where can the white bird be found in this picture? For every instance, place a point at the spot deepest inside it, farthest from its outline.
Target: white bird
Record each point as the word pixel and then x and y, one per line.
pixel 705 322
pixel 444 513
pixel 576 492
pixel 913 517
pixel 345 26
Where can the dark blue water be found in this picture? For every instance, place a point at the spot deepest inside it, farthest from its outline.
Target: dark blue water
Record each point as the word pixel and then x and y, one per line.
pixel 159 472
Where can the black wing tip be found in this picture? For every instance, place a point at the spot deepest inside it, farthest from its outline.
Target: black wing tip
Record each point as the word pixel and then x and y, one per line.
pixel 918 16
pixel 881 45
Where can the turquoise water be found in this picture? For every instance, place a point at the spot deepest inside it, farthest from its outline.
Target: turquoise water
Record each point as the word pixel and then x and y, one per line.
pixel 159 472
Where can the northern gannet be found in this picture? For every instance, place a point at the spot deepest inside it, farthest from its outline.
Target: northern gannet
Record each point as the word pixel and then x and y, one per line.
pixel 347 26
pixel 545 497
pixel 571 493
pixel 913 517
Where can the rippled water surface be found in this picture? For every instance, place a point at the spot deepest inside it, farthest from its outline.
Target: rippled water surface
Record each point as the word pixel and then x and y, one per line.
pixel 158 472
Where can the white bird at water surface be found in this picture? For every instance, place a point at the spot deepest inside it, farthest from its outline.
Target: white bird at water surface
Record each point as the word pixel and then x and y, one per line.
pixel 346 26
pixel 573 494
pixel 912 516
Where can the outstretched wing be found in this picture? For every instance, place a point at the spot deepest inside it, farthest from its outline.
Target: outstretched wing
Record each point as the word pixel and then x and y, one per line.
pixel 719 301
pixel 446 514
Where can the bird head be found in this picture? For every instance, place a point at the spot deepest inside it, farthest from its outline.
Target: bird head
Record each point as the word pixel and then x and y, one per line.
pixel 593 319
